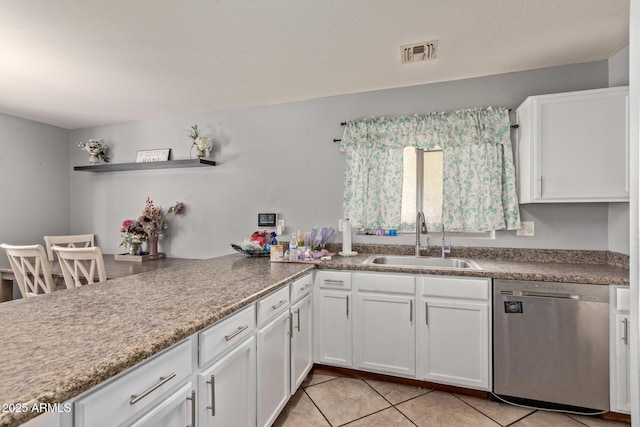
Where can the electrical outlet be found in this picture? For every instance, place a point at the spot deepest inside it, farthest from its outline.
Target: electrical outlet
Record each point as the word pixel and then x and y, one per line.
pixel 340 224
pixel 527 229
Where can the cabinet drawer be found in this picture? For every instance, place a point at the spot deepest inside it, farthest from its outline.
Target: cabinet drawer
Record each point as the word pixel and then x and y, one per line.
pixel 225 335
pixel 136 389
pixel 455 287
pixel 334 279
pixel 387 283
pixel 271 305
pixel 301 287
pixel 622 299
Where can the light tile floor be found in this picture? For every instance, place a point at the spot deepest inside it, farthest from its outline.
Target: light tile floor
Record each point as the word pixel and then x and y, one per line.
pixel 325 400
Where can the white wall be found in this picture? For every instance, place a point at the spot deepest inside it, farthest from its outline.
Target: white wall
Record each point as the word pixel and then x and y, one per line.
pixel 281 158
pixel 34 171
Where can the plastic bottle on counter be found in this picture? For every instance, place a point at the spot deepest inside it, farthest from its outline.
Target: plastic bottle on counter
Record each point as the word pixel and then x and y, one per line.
pixel 293 249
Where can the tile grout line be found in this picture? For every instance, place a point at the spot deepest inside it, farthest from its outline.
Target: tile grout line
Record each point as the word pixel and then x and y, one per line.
pixel 304 390
pixel 479 411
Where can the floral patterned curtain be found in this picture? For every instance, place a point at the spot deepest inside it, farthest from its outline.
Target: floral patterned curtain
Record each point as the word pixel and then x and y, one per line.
pixel 479 192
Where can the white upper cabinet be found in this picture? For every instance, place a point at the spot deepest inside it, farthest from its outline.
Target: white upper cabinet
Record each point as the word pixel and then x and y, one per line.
pixel 573 147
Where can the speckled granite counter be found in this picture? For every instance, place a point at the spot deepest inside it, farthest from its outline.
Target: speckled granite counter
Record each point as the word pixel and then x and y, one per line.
pixel 57 346
pixel 603 274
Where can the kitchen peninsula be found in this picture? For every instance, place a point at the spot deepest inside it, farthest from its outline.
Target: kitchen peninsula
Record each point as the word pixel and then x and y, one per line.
pixel 58 346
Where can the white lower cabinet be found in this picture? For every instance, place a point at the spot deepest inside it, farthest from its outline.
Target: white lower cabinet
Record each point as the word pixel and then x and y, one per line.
pixel 454 331
pixel 619 350
pixel 177 410
pixel 227 389
pixel 301 341
pixel 154 390
pixel 384 338
pixel 273 353
pixel 333 319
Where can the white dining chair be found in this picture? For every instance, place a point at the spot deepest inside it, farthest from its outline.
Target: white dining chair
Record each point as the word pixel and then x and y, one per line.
pixel 30 269
pixel 72 241
pixel 80 265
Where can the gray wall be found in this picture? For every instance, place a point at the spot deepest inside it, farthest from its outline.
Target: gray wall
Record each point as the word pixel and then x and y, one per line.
pixel 281 158
pixel 34 171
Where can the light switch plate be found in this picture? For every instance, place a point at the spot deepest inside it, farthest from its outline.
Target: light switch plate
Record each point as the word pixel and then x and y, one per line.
pixel 527 229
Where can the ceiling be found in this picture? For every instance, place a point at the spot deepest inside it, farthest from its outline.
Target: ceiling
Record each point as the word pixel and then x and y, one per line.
pixel 80 63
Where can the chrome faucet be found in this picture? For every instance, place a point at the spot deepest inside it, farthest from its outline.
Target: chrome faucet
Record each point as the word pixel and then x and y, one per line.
pixel 445 250
pixel 421 227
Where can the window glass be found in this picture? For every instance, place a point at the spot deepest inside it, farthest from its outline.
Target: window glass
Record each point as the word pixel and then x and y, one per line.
pixel 432 190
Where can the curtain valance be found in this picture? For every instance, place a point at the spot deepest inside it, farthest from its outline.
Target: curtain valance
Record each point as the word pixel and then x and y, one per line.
pixel 479 192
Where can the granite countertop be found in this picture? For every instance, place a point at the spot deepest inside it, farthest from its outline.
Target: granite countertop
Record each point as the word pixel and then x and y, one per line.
pixel 57 346
pixel 601 274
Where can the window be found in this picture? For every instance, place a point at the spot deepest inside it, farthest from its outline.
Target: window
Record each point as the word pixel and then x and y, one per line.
pixel 431 192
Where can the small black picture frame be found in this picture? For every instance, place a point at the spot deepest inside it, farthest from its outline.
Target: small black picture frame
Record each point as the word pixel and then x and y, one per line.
pixel 267 219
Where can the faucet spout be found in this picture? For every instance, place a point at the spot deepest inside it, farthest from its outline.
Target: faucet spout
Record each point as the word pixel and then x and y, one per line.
pixel 421 227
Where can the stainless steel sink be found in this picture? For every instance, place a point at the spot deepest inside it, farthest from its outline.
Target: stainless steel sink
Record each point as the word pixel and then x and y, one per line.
pixel 422 262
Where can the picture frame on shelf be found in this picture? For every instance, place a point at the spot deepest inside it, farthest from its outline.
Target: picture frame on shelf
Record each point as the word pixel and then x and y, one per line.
pixel 155 155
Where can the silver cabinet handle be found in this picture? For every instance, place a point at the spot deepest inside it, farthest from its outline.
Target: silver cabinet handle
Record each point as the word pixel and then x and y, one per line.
pixel 193 408
pixel 298 313
pixel 290 325
pixel 333 282
pixel 135 398
pixel 426 313
pixel 305 287
pixel 213 395
pixel 347 305
pixel 410 311
pixel 280 304
pixel 240 330
pixel 625 331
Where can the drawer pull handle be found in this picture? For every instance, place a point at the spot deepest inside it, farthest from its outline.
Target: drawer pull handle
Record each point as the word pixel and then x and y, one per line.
pixel 625 336
pixel 240 330
pixel 193 408
pixel 305 287
pixel 280 304
pixel 333 282
pixel 135 398
pixel 213 395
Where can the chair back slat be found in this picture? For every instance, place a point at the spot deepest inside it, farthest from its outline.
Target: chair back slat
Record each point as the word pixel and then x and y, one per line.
pixel 30 269
pixel 71 241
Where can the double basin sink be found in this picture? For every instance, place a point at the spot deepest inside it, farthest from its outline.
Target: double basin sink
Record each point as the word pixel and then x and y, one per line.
pixel 422 262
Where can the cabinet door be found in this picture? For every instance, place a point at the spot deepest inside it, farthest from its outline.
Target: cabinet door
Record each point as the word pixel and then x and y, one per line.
pixel 385 334
pixel 453 339
pixel 301 341
pixel 333 336
pixel 177 410
pixel 621 401
pixel 273 368
pixel 573 147
pixel 227 390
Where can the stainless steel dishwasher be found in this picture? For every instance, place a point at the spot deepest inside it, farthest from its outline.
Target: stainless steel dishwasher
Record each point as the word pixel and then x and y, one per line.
pixel 551 342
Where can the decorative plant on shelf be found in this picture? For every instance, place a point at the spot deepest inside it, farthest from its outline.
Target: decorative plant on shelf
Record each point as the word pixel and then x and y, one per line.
pixel 154 221
pixel 97 151
pixel 133 235
pixel 202 143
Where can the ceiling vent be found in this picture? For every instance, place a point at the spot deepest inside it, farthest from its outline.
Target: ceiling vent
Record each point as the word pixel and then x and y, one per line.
pixel 418 52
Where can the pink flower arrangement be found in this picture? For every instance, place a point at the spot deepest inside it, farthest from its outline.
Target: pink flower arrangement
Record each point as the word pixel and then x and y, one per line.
pixel 154 221
pixel 132 232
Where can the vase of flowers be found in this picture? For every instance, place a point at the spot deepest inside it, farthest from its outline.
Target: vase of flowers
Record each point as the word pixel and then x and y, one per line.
pixel 201 143
pixel 133 235
pixel 154 221
pixel 97 151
